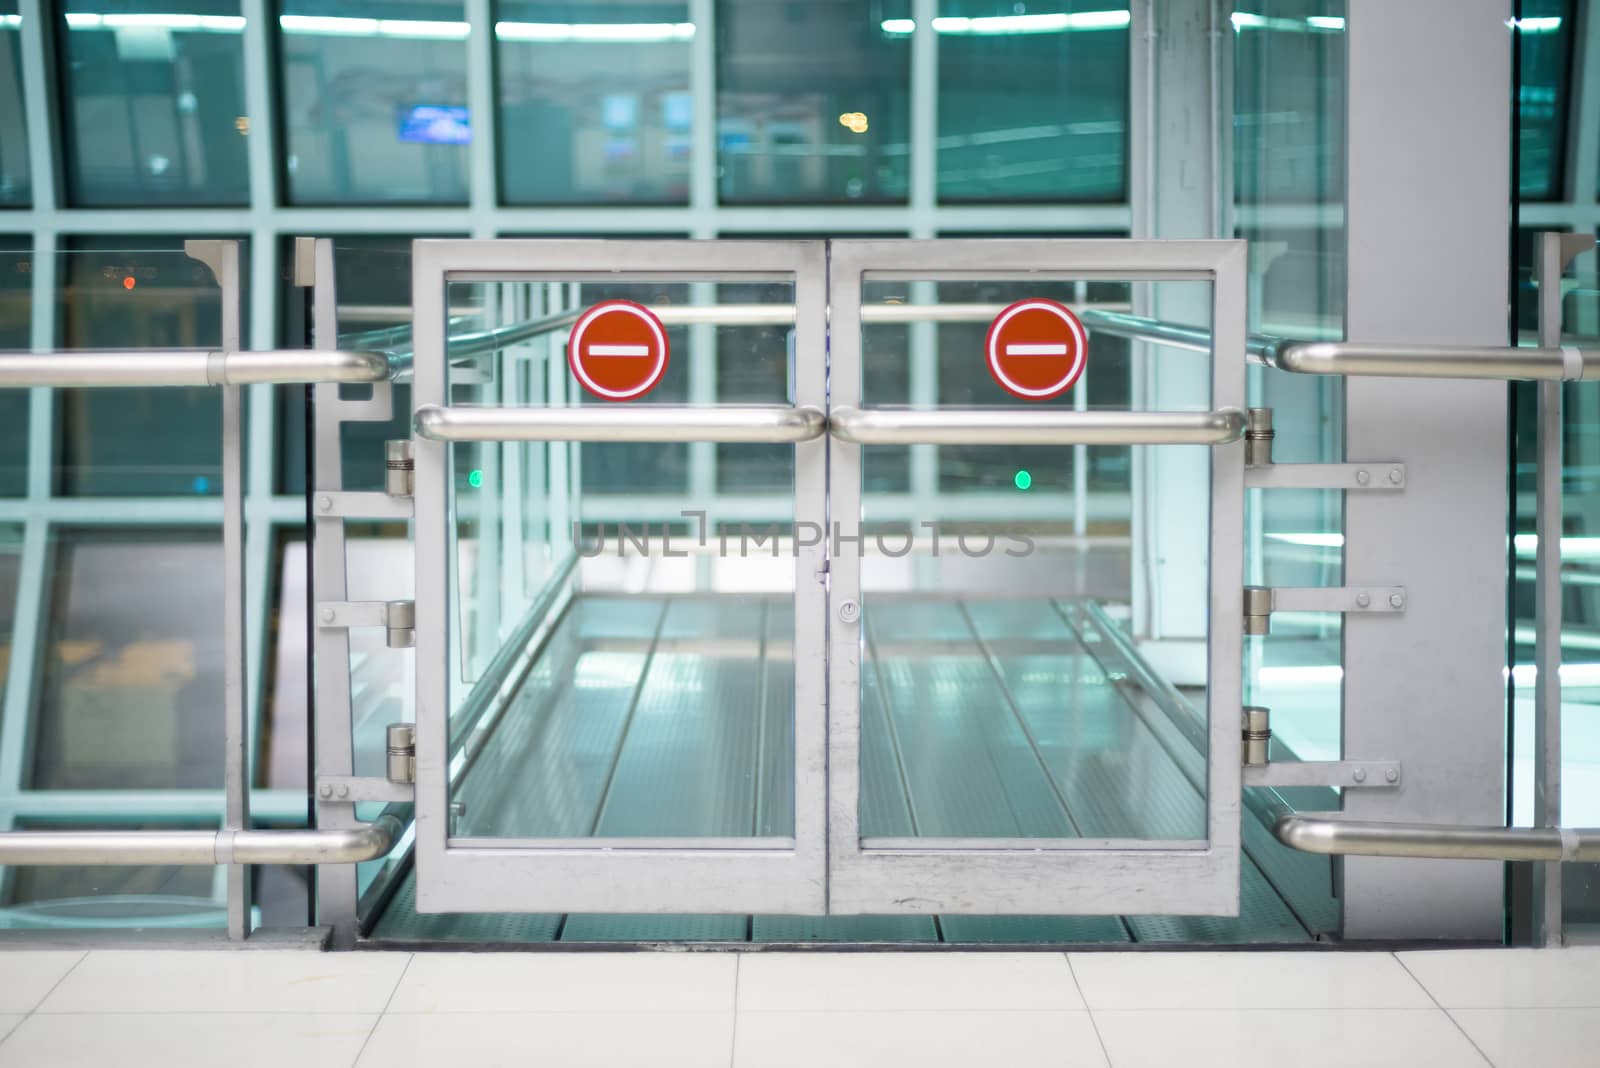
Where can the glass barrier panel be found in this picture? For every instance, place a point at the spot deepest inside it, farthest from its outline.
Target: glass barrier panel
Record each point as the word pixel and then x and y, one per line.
pixel 988 706
pixel 653 583
pixel 129 294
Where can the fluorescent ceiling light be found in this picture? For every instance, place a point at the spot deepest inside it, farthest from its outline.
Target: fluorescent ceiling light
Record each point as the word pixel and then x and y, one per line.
pixel 331 26
pixel 1244 20
pixel 153 21
pixel 1543 24
pixel 1325 22
pixel 1001 25
pixel 594 31
pixel 10 20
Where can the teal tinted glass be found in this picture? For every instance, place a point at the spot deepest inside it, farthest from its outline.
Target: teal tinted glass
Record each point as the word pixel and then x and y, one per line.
pixel 1033 105
pixel 594 102
pixel 1544 50
pixel 153 102
pixel 375 101
pixel 15 186
pixel 16 319
pixel 813 101
pixel 1288 96
pixel 132 676
pixel 129 293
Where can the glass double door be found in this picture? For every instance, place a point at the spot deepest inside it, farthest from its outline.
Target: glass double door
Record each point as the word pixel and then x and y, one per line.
pixel 798 578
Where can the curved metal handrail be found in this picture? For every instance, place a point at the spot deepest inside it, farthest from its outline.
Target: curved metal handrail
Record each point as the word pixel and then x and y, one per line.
pixel 1335 834
pixel 345 845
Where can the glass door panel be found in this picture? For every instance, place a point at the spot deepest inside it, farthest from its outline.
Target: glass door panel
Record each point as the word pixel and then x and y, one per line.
pixel 990 749
pixel 632 623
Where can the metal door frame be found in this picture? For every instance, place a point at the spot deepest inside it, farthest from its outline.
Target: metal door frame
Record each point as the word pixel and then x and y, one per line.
pixel 1039 876
pixel 647 875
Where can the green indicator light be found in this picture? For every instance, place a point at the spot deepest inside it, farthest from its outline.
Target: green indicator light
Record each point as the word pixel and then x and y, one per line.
pixel 1023 480
pixel 475 479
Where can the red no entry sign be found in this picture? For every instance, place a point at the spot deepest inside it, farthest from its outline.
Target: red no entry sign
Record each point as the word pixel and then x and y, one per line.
pixel 618 350
pixel 1036 349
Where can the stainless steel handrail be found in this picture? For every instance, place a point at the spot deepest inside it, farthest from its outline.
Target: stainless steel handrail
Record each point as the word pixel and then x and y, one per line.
pixel 630 423
pixel 194 367
pixel 349 845
pixel 396 340
pixel 979 426
pixel 1333 833
pixel 1433 361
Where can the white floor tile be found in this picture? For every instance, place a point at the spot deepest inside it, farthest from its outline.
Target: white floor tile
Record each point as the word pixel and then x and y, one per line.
pixel 1509 978
pixel 8 1024
pixel 569 1039
pixel 166 1040
pixel 791 982
pixel 1272 1038
pixel 228 981
pixel 564 982
pixel 1246 981
pixel 1533 1038
pixel 925 1039
pixel 26 976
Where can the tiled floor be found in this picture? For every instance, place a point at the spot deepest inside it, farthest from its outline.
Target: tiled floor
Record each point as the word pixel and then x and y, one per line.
pixel 298 1009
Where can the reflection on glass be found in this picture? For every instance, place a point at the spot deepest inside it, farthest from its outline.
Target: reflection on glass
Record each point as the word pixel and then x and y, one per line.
pixel 988 703
pixel 661 698
pixel 813 101
pixel 132 679
pixel 133 293
pixel 154 103
pixel 1288 98
pixel 375 101
pixel 753 367
pixel 15 181
pixel 574 136
pixel 1289 146
pixel 1034 105
pixel 1544 45
pixel 16 319
pixel 10 565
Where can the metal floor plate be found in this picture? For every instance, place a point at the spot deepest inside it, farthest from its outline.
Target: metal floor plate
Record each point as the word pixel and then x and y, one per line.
pixel 674 716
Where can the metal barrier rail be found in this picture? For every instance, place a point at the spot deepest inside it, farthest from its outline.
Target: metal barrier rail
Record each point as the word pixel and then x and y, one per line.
pixel 396 340
pixel 350 845
pixel 1567 363
pixel 189 368
pixel 1332 834
pixel 977 426
pixel 642 423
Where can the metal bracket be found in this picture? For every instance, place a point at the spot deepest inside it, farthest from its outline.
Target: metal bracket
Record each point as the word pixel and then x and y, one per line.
pixel 1261 601
pixel 350 505
pixel 399 618
pixel 340 788
pixel 1345 774
pixel 1378 475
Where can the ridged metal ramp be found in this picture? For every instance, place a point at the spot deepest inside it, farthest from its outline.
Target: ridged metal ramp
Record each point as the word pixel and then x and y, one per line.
pixel 673 716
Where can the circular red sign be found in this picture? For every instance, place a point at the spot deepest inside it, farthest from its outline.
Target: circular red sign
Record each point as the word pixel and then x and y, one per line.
pixel 1036 349
pixel 618 350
